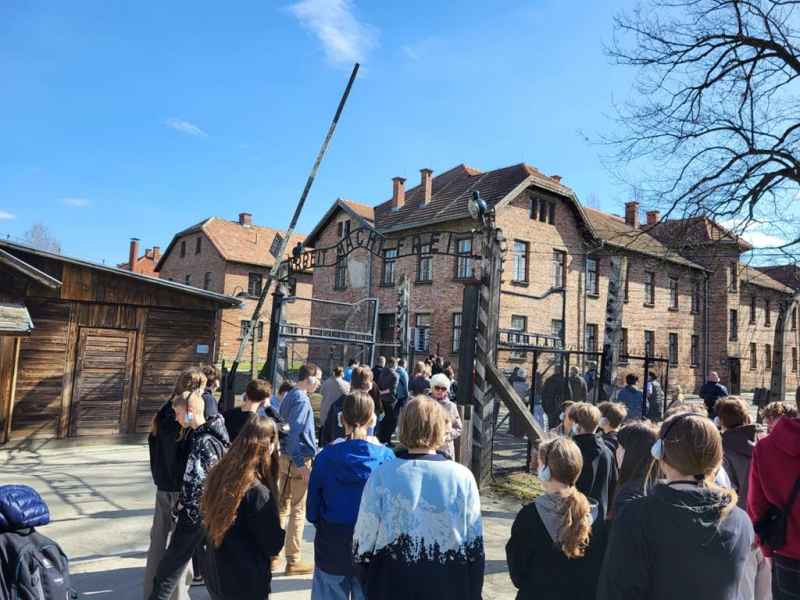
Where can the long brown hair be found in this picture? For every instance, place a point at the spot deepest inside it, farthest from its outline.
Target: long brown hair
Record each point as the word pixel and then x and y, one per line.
pixel 563 457
pixel 637 439
pixel 693 446
pixel 357 411
pixel 247 462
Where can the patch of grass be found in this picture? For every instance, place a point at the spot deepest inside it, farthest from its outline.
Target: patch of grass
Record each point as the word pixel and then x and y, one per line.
pixel 519 485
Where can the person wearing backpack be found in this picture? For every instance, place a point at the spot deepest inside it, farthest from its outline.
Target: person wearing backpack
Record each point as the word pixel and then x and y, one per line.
pixel 31 564
pixel 773 502
pixel 206 442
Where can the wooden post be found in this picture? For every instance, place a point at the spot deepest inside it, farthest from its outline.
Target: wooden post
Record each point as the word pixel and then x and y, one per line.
pixel 613 328
pixel 463 444
pixel 68 380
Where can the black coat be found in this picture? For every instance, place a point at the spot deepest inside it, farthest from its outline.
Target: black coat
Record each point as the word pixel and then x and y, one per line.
pixel 672 545
pixel 541 571
pixel 240 567
pixel 598 477
pixel 168 452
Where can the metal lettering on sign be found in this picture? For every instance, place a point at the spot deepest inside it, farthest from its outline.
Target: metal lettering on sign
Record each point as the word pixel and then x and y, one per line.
pixel 368 239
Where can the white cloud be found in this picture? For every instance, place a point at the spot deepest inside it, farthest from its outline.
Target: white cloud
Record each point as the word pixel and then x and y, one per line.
pixel 75 202
pixel 6 216
pixel 185 127
pixel 759 235
pixel 344 38
pixel 411 52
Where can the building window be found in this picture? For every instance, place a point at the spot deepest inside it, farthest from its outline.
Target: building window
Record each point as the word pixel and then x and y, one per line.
pixel 794 360
pixel 254 282
pixel 343 229
pixel 673 293
pixel 518 323
pixel 623 346
pixel 425 265
pixel 533 208
pixel 559 269
pixel 673 349
pixel 649 342
pixel 198 244
pixel 733 284
pixel 183 248
pixel 696 291
pixel 551 213
pixel 389 261
pixel 386 328
pixel 753 357
pixel 592 277
pixel 591 337
pixel 244 327
pixel 422 336
pixel 519 272
pixel 767 356
pixel 752 310
pixel 188 279
pixel 627 282
pixel 557 328
pixel 649 288
pixel 207 280
pixel 456 345
pixel 543 211
pixel 464 262
pixel 767 313
pixel 733 334
pixel 340 276
pixel 695 356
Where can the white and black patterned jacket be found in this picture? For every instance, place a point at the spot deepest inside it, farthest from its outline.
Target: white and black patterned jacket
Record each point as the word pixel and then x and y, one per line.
pixel 207 444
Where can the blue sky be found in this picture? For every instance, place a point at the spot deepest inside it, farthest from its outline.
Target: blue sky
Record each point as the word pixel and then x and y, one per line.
pixel 122 119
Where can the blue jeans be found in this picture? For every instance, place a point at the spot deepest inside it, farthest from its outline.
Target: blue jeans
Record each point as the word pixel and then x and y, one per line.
pixel 335 587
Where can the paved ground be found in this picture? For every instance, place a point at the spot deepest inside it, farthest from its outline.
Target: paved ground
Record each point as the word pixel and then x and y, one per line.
pixel 100 500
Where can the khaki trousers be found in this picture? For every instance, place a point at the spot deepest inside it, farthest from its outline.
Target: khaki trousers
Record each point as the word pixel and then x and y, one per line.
pixel 293 490
pixel 160 533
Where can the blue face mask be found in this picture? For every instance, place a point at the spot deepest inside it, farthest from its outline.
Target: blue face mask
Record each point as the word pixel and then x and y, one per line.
pixel 188 418
pixel 543 472
pixel 575 429
pixel 657 449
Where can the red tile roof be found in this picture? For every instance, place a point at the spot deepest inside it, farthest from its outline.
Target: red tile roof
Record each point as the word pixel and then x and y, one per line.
pixel 235 242
pixel 754 276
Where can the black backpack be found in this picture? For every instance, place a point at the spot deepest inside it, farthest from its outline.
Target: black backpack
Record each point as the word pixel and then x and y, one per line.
pixel 771 528
pixel 38 568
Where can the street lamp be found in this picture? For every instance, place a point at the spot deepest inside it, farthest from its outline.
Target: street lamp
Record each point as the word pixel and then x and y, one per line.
pixel 477 207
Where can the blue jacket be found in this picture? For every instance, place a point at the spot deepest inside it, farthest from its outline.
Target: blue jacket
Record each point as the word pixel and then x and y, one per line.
pixel 633 400
pixel 402 384
pixel 334 494
pixel 21 507
pixel 296 411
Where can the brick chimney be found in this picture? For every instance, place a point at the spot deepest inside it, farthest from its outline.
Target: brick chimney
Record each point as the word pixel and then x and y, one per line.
pixel 632 214
pixel 556 177
pixel 133 254
pixel 156 253
pixel 245 219
pixel 426 183
pixel 653 217
pixel 398 192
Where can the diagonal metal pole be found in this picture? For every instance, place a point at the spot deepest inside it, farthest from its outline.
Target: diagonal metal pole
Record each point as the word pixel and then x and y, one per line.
pixel 273 274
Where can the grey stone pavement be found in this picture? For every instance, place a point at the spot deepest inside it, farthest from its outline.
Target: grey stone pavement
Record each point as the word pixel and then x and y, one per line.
pixel 101 501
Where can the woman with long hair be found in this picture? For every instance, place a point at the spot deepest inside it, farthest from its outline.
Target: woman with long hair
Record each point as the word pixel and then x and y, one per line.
pixel 419 532
pixel 636 463
pixel 168 452
pixel 337 481
pixel 686 538
pixel 240 514
pixel 557 542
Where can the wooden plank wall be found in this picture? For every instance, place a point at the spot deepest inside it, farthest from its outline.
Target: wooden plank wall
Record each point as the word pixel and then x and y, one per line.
pixel 9 347
pixel 170 344
pixel 40 374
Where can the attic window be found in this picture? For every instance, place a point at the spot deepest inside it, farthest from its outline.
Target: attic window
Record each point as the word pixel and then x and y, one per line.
pixel 542 209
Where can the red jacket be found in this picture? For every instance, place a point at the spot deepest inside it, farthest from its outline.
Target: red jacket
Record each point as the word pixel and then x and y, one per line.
pixel 774 469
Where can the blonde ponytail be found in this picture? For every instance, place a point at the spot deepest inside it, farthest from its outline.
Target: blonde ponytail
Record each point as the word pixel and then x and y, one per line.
pixel 576 523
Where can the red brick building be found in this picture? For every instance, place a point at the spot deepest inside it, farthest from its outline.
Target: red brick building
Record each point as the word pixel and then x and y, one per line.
pixel 232 258
pixel 144 264
pixel 687 303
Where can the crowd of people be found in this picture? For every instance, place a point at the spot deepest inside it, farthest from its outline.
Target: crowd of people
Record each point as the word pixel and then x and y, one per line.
pixel 701 504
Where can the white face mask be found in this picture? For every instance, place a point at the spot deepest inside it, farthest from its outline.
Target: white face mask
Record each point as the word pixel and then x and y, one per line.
pixel 543 472
pixel 575 429
pixel 620 455
pixel 716 422
pixel 561 417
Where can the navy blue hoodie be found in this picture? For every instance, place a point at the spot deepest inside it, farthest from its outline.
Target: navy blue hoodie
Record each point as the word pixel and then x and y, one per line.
pixel 334 495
